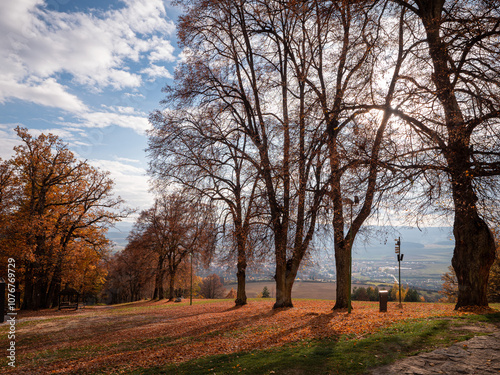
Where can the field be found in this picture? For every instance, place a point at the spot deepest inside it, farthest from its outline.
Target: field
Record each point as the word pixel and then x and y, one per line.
pixel 213 336
pixel 300 289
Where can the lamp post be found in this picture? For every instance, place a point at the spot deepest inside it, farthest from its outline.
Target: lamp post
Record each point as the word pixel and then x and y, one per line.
pixel 400 259
pixel 351 203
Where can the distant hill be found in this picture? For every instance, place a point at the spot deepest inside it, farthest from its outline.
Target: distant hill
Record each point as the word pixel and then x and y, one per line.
pixel 374 243
pixel 377 243
pixel 119 234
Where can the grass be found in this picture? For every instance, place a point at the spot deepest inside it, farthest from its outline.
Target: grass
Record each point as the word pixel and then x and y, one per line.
pixel 345 355
pixel 147 337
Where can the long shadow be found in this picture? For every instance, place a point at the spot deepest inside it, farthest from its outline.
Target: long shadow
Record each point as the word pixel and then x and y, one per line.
pixel 218 328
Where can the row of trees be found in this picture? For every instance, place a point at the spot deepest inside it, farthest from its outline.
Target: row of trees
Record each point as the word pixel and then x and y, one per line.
pixel 372 294
pixel 54 214
pixel 290 114
pixel 161 246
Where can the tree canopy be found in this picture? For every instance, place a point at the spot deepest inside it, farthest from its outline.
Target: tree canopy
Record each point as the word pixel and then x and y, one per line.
pixel 55 211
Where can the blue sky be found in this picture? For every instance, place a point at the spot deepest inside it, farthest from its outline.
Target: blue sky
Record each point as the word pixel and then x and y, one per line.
pixel 89 72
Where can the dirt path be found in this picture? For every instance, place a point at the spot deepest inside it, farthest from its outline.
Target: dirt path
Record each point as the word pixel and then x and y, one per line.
pixel 479 355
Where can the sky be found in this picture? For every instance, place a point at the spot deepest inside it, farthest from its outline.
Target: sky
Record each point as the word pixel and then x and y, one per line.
pixel 89 71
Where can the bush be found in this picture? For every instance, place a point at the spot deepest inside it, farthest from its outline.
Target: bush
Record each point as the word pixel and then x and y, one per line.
pixel 365 294
pixel 265 293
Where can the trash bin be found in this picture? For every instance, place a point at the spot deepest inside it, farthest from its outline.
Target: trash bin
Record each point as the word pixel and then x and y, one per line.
pixel 383 297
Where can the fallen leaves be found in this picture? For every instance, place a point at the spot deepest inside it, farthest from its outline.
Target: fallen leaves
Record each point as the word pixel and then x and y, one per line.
pixel 155 333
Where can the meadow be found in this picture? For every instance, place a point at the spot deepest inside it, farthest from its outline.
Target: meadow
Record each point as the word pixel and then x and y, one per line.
pixel 214 336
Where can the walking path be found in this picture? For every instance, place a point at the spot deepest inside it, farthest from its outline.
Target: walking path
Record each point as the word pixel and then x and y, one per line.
pixel 479 355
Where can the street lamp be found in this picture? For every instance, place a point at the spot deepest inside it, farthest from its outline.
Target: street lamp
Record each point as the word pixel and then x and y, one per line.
pixel 400 259
pixel 351 203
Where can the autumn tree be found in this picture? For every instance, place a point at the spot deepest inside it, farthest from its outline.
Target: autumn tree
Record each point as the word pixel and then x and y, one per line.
pixel 176 226
pixel 56 218
pixel 212 287
pixel 450 286
pixel 130 271
pixel 451 102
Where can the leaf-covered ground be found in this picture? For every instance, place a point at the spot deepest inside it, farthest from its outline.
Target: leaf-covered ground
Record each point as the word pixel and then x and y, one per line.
pixel 145 334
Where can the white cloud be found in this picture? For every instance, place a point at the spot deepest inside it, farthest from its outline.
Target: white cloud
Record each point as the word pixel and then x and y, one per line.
pixel 155 71
pixel 122 109
pixel 48 93
pixel 8 140
pixel 103 119
pixel 131 182
pixel 127 160
pixel 163 51
pixel 94 49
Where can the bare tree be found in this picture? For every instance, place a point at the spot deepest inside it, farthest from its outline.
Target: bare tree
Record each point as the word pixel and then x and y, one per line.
pixel 176 226
pixel 198 151
pixel 336 54
pixel 130 270
pixel 234 60
pixel 452 103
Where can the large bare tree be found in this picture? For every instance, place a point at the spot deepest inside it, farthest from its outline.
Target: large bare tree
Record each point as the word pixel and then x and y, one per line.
pixel 452 103
pixel 199 152
pixel 232 60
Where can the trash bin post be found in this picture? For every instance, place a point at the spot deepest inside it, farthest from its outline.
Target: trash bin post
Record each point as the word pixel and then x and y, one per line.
pixel 383 297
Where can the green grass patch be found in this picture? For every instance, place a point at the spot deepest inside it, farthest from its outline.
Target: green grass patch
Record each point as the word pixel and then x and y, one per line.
pixel 342 355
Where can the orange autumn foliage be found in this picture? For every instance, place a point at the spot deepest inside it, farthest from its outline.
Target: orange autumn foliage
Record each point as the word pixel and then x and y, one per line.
pixel 55 211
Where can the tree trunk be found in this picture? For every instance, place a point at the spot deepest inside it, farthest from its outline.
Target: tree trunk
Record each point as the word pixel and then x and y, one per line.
pixel 28 289
pixel 283 289
pixel 160 272
pixel 55 286
pixel 342 258
pixel 474 251
pixel 241 296
pixel 171 284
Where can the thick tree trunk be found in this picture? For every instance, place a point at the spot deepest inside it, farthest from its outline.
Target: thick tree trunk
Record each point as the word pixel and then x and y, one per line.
pixel 241 296
pixel 283 284
pixel 283 299
pixel 342 258
pixel 474 251
pixel 283 292
pixel 472 259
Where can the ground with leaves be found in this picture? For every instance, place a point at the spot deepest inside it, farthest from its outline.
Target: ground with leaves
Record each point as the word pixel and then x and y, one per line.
pixel 146 334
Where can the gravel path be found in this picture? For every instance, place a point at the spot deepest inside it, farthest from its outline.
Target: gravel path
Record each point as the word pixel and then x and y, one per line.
pixel 479 355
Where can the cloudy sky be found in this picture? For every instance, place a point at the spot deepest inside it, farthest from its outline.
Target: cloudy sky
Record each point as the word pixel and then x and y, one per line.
pixel 89 71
